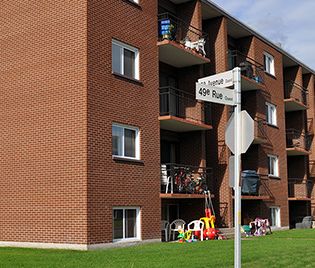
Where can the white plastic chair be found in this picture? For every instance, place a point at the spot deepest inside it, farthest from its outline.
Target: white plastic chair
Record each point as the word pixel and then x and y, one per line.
pixel 196 226
pixel 175 226
pixel 165 225
pixel 166 181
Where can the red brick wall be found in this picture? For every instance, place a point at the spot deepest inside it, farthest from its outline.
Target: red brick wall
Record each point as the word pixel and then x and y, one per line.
pixel 43 160
pixel 114 99
pixel 274 85
pixel 217 152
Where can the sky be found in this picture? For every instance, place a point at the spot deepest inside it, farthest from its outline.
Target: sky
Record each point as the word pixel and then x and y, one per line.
pixel 289 22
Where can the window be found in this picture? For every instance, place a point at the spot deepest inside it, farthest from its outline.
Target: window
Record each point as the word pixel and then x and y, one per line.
pixel 125 141
pixel 273 166
pixel 125 60
pixel 269 63
pixel 275 216
pixel 126 223
pixel 271 112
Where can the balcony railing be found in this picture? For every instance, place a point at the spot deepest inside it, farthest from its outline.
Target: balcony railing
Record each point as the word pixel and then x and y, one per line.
pixel 249 67
pixel 175 102
pixel 296 92
pixel 310 126
pixel 175 29
pixel 264 190
pixel 299 188
pixel 184 179
pixel 297 139
pixel 260 128
pixel 311 168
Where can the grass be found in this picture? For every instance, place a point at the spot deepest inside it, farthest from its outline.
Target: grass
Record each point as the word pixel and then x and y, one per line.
pixel 294 248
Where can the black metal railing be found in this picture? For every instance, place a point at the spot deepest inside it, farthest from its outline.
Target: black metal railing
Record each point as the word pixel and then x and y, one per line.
pixel 264 189
pixel 311 165
pixel 299 188
pixel 175 29
pixel 297 139
pixel 176 102
pixel 249 67
pixel 310 126
pixel 260 128
pixel 184 179
pixel 295 91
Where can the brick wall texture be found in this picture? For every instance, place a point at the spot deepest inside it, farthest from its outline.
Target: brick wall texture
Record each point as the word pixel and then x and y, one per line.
pixel 43 158
pixel 59 181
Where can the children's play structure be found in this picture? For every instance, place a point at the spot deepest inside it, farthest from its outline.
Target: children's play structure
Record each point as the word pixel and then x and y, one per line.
pixel 204 228
pixel 258 227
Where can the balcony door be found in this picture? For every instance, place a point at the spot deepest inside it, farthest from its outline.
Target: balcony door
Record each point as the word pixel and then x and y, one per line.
pixel 169 152
pixel 171 100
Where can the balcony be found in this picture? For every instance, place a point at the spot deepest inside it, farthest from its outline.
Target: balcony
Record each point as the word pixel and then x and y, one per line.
pixel 295 97
pixel 299 189
pixel 181 112
pixel 184 181
pixel 180 44
pixel 297 142
pixel 311 165
pixel 252 73
pixel 260 131
pixel 264 192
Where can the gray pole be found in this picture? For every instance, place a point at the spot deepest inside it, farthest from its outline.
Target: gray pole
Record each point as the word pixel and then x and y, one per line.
pixel 237 165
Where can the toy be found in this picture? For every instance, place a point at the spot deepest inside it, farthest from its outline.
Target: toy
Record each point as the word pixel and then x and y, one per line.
pixel 185 236
pixel 260 226
pixel 209 232
pixel 247 230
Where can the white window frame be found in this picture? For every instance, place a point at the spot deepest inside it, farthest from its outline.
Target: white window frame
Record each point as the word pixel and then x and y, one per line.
pixel 271 114
pixel 275 165
pixel 278 216
pixel 137 58
pixel 138 222
pixel 269 63
pixel 137 141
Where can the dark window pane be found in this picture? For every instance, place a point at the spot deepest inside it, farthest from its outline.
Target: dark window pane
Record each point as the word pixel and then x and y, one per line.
pixel 130 143
pixel 129 63
pixel 116 58
pixel 118 224
pixel 131 223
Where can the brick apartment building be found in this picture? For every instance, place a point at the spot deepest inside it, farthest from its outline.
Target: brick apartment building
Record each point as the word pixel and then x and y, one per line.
pixel 98 110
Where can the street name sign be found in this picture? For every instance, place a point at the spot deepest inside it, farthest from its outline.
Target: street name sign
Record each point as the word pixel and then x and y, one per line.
pixel 215 94
pixel 224 79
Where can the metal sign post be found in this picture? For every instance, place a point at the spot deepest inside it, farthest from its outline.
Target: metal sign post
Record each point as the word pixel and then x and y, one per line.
pixel 213 89
pixel 237 165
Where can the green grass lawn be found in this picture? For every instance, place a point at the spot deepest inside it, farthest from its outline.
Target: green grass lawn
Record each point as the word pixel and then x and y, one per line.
pixel 294 248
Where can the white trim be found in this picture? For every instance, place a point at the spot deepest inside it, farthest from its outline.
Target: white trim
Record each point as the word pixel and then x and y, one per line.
pixel 276 165
pixel 271 114
pixel 138 227
pixel 137 141
pixel 43 245
pixel 137 58
pixel 278 216
pixel 75 246
pixel 269 63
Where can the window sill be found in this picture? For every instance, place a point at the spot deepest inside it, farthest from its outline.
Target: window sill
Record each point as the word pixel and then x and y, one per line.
pixel 271 125
pixel 127 78
pixel 137 5
pixel 127 160
pixel 127 240
pixel 271 75
pixel 274 177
